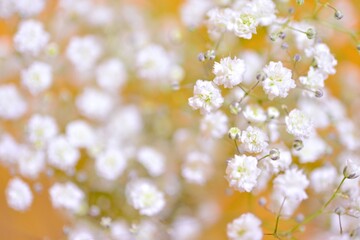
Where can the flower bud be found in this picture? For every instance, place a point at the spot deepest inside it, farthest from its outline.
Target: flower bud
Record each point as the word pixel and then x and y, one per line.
pixel 299 218
pixel 297 58
pixel 338 15
pixel 262 201
pixel 310 33
pixel 351 170
pixel 300 2
pixel 319 93
pixel 298 144
pixel 261 76
pixel 201 57
pixel 274 154
pixel 234 133
pixel 210 54
pixel 339 210
pixel 284 45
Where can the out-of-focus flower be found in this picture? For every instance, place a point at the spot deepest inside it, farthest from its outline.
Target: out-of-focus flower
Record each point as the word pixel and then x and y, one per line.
pixel 18 194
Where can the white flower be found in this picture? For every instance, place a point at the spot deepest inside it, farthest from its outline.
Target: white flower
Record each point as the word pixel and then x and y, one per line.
pixel 254 140
pixel 318 112
pixel 28 8
pixel 323 179
pixel 219 21
pixel 6 8
pixel 101 15
pixel 37 78
pixel 185 228
pixel 229 72
pixel 291 185
pixel 94 104
pixel 67 195
pixel 31 163
pixel 352 169
pixel 325 61
pixel 244 25
pixel 193 12
pixel 207 97
pixel 111 75
pixel 152 160
pixel 197 168
pixel 41 129
pixel 18 195
pixel 298 124
pixel 314 148
pixel 280 164
pixel 110 164
pixel 10 150
pixel 214 124
pixel 17 108
pixel 120 230
pixel 145 197
pixel 245 227
pixel 83 52
pixel 301 40
pixel 254 113
pixel 253 62
pixel 278 80
pixel 242 172
pixel 31 37
pixel 264 11
pixel 80 134
pixel 314 80
pixel 153 63
pixel 61 154
pixel 81 234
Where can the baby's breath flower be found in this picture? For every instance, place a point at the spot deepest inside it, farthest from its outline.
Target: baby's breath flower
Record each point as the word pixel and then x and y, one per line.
pixel 152 160
pixel 298 124
pixel 18 106
pixel 41 129
pixel 242 173
pixel 229 72
pixel 67 195
pixel 110 164
pixel 254 140
pixel 278 80
pixel 207 97
pixel 18 195
pixel 37 78
pixel 197 168
pixel 214 124
pixel 247 226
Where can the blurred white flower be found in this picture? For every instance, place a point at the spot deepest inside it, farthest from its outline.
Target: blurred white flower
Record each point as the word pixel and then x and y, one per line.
pixel 110 164
pixel 67 195
pixel 18 106
pixel 111 75
pixel 31 163
pixel 61 154
pixel 80 134
pixel 254 113
pixel 197 168
pixel 298 124
pixel 214 124
pixel 152 160
pixel 31 37
pixel 28 8
pixel 247 226
pixel 242 172
pixel 41 129
pixel 145 197
pixel 37 78
pixel 323 179
pixel 18 194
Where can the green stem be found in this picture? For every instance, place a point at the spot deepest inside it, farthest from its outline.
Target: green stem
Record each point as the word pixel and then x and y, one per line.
pixel 319 211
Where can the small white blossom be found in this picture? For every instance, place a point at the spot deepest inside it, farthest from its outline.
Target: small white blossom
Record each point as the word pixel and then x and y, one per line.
pixel 229 72
pixel 37 78
pixel 110 164
pixel 197 168
pixel 18 106
pixel 41 129
pixel 214 124
pixel 278 80
pixel 153 63
pixel 111 75
pixel 28 8
pixel 244 24
pixel 254 113
pixel 242 173
pixel 120 230
pixel 80 134
pixel 185 228
pixel 245 227
pixel 18 195
pixel 291 184
pixel 323 179
pixel 9 149
pixel 325 61
pixel 314 148
pixel 314 80
pixel 298 124
pixel 83 52
pixel 352 169
pixel 207 97
pixel 61 154
pixel 264 11
pixel 254 139
pixel 152 160
pixel 67 195
pixel 194 11
pixel 94 104
pixel 145 197
pixel 219 21
pixel 6 8
pixel 31 163
pixel 31 37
